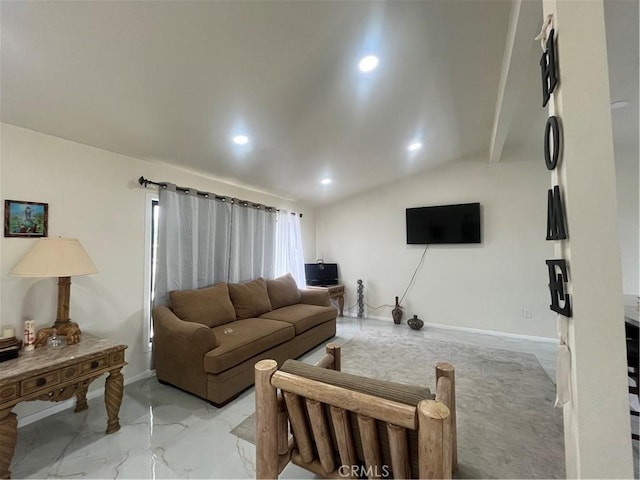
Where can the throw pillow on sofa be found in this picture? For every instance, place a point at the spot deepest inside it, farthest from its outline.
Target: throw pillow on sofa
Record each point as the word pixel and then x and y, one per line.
pixel 250 299
pixel 210 306
pixel 283 291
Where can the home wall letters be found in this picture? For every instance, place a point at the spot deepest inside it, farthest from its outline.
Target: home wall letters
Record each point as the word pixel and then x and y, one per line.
pixel 556 224
pixel 556 229
pixel 557 279
pixel 551 158
pixel 548 69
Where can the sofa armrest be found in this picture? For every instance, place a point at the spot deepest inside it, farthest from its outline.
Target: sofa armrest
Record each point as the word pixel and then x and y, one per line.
pixel 180 334
pixel 315 297
pixel 179 348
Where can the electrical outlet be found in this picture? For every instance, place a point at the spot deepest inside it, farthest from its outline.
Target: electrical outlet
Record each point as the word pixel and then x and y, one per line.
pixel 526 312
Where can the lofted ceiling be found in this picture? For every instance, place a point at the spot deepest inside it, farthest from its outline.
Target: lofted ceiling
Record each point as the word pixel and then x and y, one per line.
pixel 174 81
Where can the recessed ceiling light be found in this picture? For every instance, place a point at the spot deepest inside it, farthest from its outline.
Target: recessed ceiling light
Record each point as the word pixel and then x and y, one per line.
pixel 414 147
pixel 240 139
pixel 368 63
pixel 325 181
pixel 619 104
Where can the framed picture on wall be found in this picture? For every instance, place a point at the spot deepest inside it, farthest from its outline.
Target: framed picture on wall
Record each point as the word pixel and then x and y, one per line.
pixel 26 219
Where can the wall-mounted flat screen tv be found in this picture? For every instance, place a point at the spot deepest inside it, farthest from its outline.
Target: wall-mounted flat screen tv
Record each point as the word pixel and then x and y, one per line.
pixel 444 224
pixel 321 274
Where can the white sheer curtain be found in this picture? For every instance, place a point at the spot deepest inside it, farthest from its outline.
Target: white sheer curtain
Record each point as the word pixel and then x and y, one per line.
pixel 253 236
pixel 289 256
pixel 194 242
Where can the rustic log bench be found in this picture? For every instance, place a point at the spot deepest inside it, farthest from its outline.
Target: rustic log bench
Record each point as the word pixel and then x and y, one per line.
pixel 348 426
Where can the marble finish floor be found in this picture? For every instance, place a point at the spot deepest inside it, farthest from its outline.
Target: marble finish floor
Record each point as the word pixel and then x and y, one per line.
pixel 167 433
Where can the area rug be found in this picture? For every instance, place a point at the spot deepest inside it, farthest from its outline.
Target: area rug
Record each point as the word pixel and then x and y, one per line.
pixel 507 425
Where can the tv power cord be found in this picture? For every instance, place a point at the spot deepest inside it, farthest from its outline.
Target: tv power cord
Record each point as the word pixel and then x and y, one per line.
pixel 406 290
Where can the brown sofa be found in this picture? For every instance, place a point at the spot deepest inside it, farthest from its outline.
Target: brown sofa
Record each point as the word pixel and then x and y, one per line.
pixel 209 340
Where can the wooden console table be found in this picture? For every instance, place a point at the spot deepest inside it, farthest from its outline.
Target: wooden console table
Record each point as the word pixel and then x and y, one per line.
pixel 337 292
pixel 57 374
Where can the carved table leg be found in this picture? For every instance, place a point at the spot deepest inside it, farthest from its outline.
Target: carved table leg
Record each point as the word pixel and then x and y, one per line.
pixel 8 437
pixel 114 388
pixel 81 397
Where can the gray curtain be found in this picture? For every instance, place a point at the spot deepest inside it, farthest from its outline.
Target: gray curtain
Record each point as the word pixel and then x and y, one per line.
pixel 193 242
pixel 253 243
pixel 202 241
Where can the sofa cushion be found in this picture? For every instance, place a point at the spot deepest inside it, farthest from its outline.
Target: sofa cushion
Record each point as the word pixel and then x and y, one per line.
pixel 250 299
pixel 283 291
pixel 244 339
pixel 210 306
pixel 302 316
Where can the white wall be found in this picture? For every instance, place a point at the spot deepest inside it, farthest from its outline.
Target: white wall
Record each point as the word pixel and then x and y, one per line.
pixel 597 428
pixel 482 286
pixel 93 195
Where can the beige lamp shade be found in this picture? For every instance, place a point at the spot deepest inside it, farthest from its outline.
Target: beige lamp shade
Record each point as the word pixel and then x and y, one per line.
pixel 55 257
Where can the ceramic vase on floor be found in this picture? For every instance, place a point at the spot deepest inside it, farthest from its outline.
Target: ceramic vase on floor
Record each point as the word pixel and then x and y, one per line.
pixel 396 313
pixel 415 323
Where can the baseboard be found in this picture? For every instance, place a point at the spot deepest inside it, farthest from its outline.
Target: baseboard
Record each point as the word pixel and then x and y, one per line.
pixel 71 403
pixel 368 317
pixel 480 331
pixel 494 332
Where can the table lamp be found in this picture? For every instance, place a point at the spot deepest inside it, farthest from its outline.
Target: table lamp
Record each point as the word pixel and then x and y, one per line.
pixel 62 258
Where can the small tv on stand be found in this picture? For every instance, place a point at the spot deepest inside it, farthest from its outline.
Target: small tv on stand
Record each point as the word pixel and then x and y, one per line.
pixel 321 274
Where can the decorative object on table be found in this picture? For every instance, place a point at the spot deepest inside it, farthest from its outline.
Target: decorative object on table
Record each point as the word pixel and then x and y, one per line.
pixel 29 335
pixel 8 332
pixel 9 344
pixel 360 299
pixel 25 219
pixel 415 323
pixel 396 313
pixel 62 258
pixel 56 341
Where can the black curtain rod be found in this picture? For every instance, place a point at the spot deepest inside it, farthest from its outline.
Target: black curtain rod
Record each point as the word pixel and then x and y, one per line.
pixel 145 182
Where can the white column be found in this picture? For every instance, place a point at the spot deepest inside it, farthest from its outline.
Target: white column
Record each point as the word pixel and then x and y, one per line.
pixel 596 419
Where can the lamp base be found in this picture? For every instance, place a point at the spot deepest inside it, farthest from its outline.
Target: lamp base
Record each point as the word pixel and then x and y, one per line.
pixel 71 330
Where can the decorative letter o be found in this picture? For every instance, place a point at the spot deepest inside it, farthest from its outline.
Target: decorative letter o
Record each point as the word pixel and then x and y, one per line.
pixel 552 160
